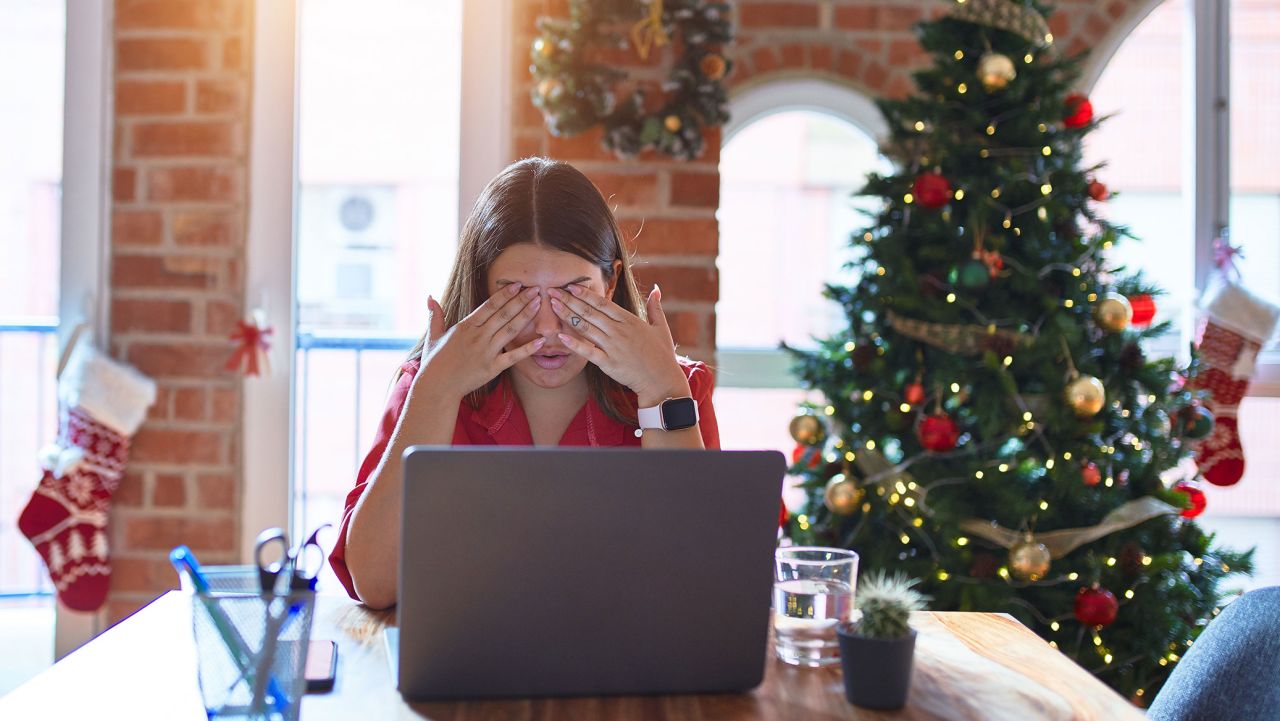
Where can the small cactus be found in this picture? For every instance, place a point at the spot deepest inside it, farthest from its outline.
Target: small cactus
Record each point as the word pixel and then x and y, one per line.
pixel 886 603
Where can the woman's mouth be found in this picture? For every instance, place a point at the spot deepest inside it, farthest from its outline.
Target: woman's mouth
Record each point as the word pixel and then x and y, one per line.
pixel 551 361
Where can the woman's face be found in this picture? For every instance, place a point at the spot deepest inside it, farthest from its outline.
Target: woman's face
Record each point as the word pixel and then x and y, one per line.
pixel 533 265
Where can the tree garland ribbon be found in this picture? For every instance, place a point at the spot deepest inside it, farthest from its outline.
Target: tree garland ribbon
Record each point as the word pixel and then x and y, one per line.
pixel 1066 540
pixel 957 338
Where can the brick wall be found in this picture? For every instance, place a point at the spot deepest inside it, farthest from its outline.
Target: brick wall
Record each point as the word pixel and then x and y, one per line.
pixel 867 45
pixel 177 233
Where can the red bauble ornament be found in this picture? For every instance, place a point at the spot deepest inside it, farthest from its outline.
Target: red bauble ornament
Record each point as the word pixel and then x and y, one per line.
pixel 913 394
pixel 1090 474
pixel 1144 309
pixel 809 456
pixel 1096 607
pixel 931 190
pixel 782 515
pixel 938 432
pixel 1079 111
pixel 1098 191
pixel 1195 495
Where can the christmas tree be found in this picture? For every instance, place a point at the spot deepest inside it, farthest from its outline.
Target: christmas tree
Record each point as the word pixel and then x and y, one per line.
pixel 991 422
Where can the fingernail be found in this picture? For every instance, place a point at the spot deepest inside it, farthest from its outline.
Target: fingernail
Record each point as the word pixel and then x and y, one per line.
pixel 536 302
pixel 430 301
pixel 557 305
pixel 539 342
pixel 531 292
pixel 575 290
pixel 553 292
pixel 564 338
pixel 514 288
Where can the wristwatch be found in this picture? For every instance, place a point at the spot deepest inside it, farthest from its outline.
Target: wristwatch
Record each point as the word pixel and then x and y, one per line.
pixel 673 414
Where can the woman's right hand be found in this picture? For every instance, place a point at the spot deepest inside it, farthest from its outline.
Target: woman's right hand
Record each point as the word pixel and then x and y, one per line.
pixel 472 352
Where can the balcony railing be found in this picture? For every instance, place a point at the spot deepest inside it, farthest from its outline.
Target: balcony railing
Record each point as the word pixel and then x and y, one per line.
pixel 28 421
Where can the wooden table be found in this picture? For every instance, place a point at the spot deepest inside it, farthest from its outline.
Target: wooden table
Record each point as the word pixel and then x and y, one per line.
pixel 968 666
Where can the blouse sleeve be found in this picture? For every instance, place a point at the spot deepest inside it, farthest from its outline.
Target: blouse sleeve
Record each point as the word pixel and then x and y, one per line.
pixel 382 437
pixel 701 384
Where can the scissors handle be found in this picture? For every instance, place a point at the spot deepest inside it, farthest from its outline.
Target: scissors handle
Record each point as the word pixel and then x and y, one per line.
pixel 269 572
pixel 304 574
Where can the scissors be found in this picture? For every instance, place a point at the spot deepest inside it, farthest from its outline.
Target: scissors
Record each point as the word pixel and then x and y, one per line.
pixel 299 564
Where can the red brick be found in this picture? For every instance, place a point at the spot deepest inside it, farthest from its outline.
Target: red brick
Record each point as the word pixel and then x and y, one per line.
pixel 665 236
pixel 124 185
pixel 1059 24
pixel 1117 9
pixel 216 491
pixel 150 316
pixel 855 17
pixel 162 533
pixel 183 139
pixel 131 493
pixel 188 183
pixel 821 57
pixel 527 146
pixel 160 409
pixel 701 190
pixel 680 282
pixel 220 317
pixel 850 64
pixel 188 405
pixel 169 491
pixel 876 77
pixel 793 56
pixel 142 54
pixel 137 97
pixel 1096 26
pixel 142 575
pixel 218 97
pixel 690 328
pixel 172 14
pixel 224 405
pixel 167 445
pixel 233 53
pixel 770 14
pixel 904 51
pixel 870 46
pixel 180 360
pixel 627 189
pixel 524 113
pixel 171 271
pixel 584 146
pixel 900 86
pixel 136 228
pixel 765 60
pixel 206 228
pixel 896 18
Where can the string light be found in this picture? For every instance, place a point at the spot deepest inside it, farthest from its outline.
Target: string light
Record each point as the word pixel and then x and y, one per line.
pixel 960 194
pixel 1072 576
pixel 1042 213
pixel 1111 561
pixel 962 88
pixel 955 387
pixel 1048 38
pixel 1146 560
pixel 1004 467
pixel 1046 151
pixel 959 55
pixel 849 346
pixel 829 410
pixel 1042 128
pixel 984 153
pixel 1066 456
pixel 1008 361
pixel 917 522
pixel 1107 658
pixel 978 474
pixel 962 541
pixel 839 443
pixel 905 539
pixel 920 125
pixel 1008 222
pixel 1046 188
pixel 1129 593
pixel 1004 573
pixel 871 445
pixel 1044 505
pixel 868 395
pixel 951 297
pixel 894 498
pixel 991 130
pixel 1049 464
pixel 1054 626
pixel 1027 58
pixel 905 407
pixel 849 456
pixel 880 270
pixel 867 236
pixel 908 198
pixel 943 575
pixel 1093 297
pixel 995 192
pixel 1068 302
pixel 1053 644
pixel 1026 417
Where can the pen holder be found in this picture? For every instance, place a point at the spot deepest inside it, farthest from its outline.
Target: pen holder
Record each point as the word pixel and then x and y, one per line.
pixel 251 647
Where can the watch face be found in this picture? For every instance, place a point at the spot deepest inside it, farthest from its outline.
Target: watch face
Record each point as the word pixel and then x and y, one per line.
pixel 679 413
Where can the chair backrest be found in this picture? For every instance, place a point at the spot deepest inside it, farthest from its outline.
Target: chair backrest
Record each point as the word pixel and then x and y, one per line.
pixel 1231 672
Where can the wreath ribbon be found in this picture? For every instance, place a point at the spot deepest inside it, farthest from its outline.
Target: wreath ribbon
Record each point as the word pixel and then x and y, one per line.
pixel 1062 542
pixel 649 33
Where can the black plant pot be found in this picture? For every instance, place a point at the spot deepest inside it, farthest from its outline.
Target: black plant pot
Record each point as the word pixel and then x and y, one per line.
pixel 877 671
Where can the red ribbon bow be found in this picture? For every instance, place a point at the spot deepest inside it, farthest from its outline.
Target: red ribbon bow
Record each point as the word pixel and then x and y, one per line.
pixel 251 348
pixel 1225 254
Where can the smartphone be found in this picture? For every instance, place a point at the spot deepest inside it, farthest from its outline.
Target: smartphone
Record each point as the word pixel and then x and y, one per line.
pixel 322 665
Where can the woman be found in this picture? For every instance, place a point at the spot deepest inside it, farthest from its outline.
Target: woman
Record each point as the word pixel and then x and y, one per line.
pixel 542 339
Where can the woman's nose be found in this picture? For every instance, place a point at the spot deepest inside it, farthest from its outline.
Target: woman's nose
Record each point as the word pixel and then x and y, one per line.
pixel 546 323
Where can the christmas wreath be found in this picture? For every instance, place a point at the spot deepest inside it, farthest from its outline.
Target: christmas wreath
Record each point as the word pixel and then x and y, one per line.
pixel 576 89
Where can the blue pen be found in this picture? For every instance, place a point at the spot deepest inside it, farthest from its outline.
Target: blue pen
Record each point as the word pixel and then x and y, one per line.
pixel 185 562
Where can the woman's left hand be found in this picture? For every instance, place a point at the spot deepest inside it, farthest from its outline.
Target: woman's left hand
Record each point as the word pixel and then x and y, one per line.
pixel 638 354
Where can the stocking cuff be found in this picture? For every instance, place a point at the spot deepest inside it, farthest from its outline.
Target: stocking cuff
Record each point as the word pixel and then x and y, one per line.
pixel 1231 306
pixel 114 394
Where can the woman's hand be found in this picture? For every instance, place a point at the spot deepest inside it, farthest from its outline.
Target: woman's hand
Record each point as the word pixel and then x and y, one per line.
pixel 471 353
pixel 638 354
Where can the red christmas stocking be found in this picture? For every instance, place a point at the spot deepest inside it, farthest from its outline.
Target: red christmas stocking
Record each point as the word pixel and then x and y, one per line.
pixel 1237 325
pixel 101 403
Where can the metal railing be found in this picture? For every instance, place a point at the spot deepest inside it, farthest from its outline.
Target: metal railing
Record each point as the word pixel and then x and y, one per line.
pixel 28 420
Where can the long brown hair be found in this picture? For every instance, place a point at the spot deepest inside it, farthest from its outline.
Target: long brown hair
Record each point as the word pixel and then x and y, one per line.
pixel 552 204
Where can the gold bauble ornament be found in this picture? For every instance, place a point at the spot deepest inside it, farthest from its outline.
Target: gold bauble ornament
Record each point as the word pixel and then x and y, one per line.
pixel 712 66
pixel 551 89
pixel 842 496
pixel 1113 313
pixel 1029 559
pixel 543 47
pixel 1085 395
pixel 672 123
pixel 807 429
pixel 996 71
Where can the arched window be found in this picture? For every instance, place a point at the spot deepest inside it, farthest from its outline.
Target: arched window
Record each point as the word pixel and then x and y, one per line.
pixel 794 158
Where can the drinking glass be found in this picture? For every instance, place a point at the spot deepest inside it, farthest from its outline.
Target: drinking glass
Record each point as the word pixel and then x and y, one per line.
pixel 812 593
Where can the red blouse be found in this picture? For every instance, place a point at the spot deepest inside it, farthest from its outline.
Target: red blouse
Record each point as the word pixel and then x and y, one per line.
pixel 500 421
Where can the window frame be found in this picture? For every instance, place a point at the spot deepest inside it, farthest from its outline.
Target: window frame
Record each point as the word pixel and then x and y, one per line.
pixel 270 277
pixel 771 368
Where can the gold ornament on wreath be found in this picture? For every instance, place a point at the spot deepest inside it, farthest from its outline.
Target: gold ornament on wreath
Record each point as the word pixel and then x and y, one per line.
pixel 996 71
pixel 584 57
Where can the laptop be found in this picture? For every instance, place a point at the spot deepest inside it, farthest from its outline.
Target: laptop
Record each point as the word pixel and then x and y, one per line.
pixel 584 572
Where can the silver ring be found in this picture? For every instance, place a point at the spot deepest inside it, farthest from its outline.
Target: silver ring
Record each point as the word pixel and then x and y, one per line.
pixel 574 321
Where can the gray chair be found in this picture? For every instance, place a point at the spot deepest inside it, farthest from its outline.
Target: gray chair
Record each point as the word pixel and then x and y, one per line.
pixel 1232 672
